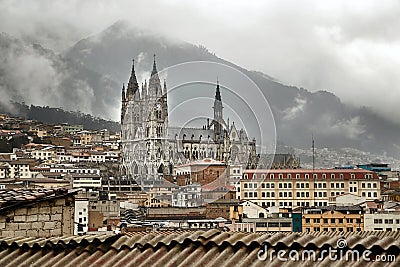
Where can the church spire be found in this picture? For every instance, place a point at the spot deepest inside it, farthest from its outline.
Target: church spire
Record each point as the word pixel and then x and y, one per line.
pixel 123 93
pixel 217 92
pixel 154 71
pixel 218 120
pixel 133 85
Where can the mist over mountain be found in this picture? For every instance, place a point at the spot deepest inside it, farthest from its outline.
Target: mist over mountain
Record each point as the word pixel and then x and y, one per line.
pixel 88 77
pixel 33 74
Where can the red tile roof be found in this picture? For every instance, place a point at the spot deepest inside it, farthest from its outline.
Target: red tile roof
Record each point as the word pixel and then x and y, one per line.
pixel 358 173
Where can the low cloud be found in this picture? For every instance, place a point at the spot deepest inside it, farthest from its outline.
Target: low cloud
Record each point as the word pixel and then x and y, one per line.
pixel 292 112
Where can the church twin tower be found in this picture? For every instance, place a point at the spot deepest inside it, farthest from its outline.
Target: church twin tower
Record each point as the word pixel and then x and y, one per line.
pixel 150 148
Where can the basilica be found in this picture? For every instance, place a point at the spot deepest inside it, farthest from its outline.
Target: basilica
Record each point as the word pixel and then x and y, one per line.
pixel 151 147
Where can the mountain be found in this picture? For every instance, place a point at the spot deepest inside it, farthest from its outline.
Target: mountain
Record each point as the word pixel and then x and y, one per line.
pixel 54 116
pixel 88 77
pixel 33 74
pixel 298 112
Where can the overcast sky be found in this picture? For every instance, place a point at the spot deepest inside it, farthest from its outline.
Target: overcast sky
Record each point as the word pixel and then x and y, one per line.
pixel 351 48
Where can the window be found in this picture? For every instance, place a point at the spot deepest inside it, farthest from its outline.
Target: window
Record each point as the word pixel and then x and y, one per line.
pixel 308 220
pixel 340 220
pixel 333 220
pixel 325 221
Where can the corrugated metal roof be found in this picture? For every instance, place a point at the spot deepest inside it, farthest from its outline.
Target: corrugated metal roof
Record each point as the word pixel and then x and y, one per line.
pixel 199 248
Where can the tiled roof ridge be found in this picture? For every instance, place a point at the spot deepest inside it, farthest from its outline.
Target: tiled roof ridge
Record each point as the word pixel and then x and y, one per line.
pixel 216 238
pixel 57 242
pixel 211 238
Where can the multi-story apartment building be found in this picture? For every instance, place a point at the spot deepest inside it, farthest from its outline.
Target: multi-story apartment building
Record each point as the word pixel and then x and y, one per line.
pixel 332 218
pixel 292 188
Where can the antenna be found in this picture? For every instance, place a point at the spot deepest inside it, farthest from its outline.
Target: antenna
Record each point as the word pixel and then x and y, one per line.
pixel 313 152
pixel 313 164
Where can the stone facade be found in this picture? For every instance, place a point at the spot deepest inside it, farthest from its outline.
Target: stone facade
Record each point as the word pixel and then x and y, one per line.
pixel 46 218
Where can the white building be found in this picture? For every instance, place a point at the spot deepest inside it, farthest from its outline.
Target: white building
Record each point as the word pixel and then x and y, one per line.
pixel 70 168
pixel 44 154
pixel 87 181
pixel 187 196
pixel 81 216
pixel 251 210
pixel 382 221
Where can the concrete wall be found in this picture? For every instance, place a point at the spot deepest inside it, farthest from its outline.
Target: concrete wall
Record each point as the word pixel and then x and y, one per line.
pixel 44 219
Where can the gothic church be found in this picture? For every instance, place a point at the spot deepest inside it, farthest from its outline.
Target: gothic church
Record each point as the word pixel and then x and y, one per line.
pixel 151 148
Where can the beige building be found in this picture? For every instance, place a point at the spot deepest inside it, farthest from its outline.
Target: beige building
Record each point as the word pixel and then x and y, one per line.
pixel 292 188
pixel 342 219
